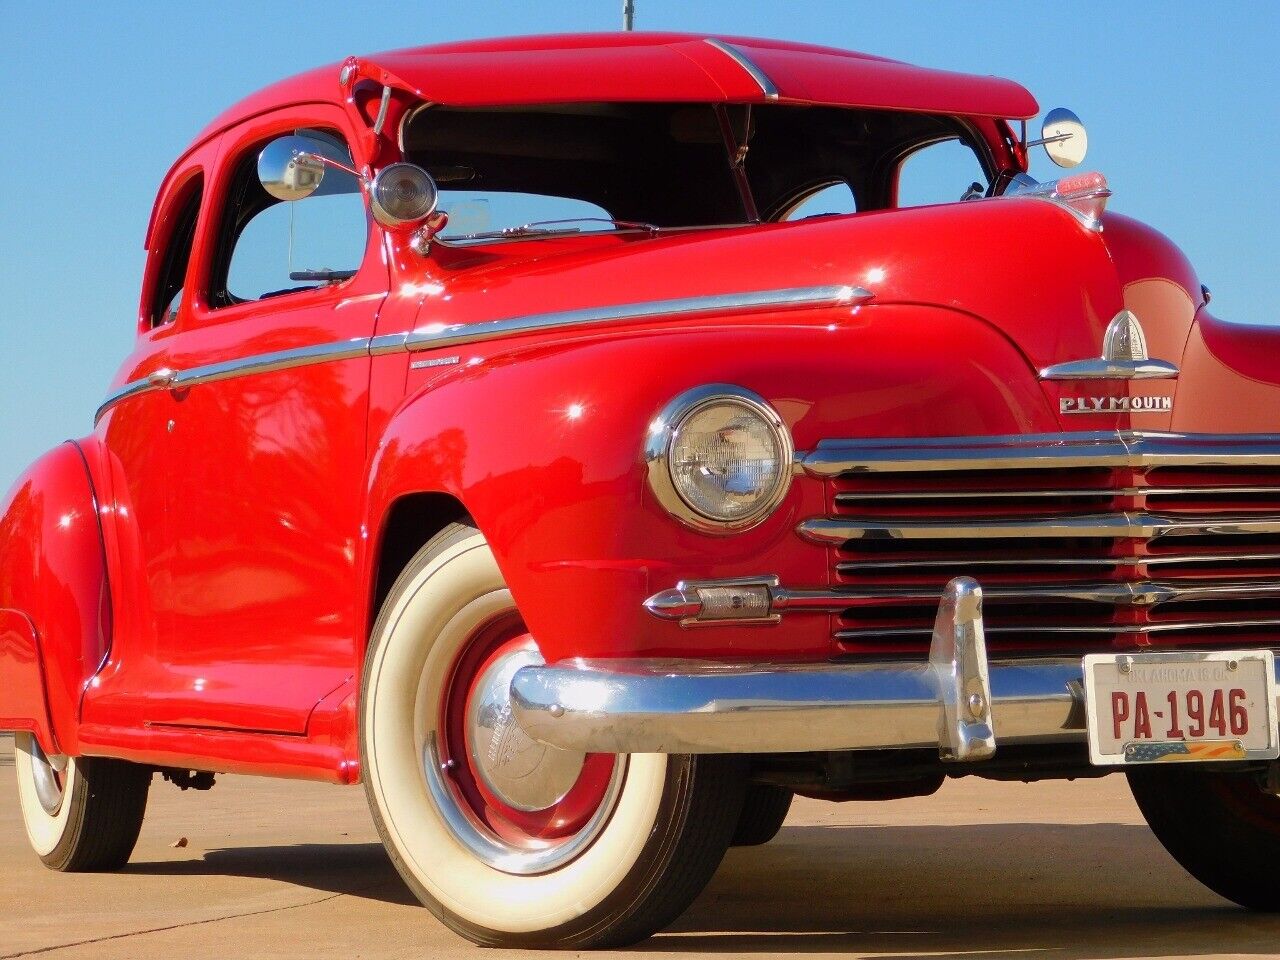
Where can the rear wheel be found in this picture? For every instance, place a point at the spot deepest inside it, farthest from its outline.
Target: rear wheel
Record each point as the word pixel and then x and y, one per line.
pixel 82 815
pixel 508 841
pixel 1222 827
pixel 763 812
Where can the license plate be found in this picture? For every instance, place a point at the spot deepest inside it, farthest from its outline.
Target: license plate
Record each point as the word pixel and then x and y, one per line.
pixel 1168 707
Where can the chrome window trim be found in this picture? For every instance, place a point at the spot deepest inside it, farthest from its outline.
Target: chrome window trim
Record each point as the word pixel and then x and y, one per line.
pixel 432 337
pixel 658 446
pixel 741 59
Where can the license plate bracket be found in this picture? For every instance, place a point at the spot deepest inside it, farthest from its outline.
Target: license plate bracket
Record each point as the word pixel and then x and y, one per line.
pixel 1181 706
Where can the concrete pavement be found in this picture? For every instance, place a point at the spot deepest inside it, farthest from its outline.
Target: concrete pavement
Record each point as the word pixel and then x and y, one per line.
pixel 982 870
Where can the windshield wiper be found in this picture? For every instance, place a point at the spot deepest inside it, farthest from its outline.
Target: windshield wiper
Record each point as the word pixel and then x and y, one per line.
pixel 543 228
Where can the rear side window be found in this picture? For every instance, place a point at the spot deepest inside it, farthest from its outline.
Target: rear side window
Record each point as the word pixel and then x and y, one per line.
pixel 941 172
pixel 171 286
pixel 833 198
pixel 269 248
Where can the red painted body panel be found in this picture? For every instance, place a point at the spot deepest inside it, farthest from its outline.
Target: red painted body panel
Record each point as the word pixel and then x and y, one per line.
pixel 670 67
pixel 53 583
pixel 25 703
pixel 243 518
pixel 254 532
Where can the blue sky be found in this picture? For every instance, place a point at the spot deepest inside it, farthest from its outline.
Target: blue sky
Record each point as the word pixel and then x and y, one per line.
pixel 1180 100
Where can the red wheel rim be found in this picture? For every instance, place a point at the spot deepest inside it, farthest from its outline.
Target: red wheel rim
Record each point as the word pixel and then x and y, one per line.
pixel 519 828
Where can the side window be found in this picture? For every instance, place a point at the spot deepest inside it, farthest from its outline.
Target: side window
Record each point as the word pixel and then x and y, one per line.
pixel 269 248
pixel 833 198
pixel 941 172
pixel 171 286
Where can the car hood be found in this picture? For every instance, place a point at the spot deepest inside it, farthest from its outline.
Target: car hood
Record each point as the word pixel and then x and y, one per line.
pixel 1025 266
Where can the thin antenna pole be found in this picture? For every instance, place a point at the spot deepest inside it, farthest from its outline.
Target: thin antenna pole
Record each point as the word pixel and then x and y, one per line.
pixel 628 14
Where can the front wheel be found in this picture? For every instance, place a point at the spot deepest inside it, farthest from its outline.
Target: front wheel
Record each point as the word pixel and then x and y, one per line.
pixel 506 840
pixel 82 815
pixel 1222 827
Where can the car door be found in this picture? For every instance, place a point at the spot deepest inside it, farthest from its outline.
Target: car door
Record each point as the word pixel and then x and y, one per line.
pixel 133 435
pixel 267 440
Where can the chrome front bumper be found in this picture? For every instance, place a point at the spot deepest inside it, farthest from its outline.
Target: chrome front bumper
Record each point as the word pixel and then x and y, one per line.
pixel 957 702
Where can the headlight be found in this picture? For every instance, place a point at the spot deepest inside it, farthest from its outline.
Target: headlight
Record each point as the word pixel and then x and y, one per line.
pixel 719 458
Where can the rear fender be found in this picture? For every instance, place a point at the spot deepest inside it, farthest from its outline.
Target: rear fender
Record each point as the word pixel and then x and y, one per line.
pixel 24 704
pixel 55 606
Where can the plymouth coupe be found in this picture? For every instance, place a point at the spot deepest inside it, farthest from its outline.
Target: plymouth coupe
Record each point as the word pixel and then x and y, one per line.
pixel 589 443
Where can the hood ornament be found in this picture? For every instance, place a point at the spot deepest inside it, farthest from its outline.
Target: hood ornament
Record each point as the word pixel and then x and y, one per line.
pixel 1124 357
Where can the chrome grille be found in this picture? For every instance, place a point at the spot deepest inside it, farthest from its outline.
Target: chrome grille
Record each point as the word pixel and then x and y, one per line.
pixel 1081 541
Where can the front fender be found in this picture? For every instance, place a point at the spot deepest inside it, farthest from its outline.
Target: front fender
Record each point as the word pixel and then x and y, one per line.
pixel 544 447
pixel 55 608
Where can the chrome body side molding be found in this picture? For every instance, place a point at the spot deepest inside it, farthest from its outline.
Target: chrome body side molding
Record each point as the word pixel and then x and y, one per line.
pixel 440 335
pixel 243 366
pixel 741 59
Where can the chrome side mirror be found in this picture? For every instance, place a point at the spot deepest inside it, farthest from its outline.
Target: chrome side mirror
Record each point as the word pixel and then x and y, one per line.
pixel 289 168
pixel 1063 137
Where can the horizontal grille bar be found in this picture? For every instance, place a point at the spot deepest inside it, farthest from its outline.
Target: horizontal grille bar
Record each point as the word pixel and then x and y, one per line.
pixel 1137 594
pixel 1103 525
pixel 875 633
pixel 1095 492
pixel 1081 541
pixel 856 566
pixel 832 458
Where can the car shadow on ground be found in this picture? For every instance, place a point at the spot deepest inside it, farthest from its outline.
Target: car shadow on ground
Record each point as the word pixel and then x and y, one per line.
pixel 358 869
pixel 1072 891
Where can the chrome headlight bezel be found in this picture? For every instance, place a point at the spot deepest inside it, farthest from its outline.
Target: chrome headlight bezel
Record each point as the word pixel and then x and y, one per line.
pixel 662 433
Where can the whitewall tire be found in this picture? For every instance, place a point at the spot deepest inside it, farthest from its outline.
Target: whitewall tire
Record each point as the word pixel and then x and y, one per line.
pixel 81 815
pixel 508 841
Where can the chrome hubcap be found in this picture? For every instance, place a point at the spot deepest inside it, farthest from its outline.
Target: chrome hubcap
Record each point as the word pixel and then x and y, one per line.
pixel 521 772
pixel 45 772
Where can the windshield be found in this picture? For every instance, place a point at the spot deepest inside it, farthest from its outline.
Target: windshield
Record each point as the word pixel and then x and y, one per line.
pixel 568 168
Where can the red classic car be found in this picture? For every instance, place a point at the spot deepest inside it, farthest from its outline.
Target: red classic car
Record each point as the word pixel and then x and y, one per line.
pixel 590 442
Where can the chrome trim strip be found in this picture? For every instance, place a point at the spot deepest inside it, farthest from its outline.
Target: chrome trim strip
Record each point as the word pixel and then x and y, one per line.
pixel 255 363
pixel 439 335
pixel 876 633
pixel 431 337
pixel 741 59
pixel 1106 525
pixel 1110 370
pixel 858 496
pixel 1032 451
pixel 1140 593
pixel 846 566
pixel 684 601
